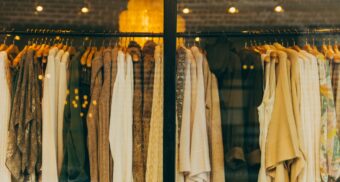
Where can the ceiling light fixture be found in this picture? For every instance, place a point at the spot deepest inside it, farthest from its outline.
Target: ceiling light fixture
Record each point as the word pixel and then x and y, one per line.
pixel 39 8
pixel 85 9
pixel 232 10
pixel 186 10
pixel 278 9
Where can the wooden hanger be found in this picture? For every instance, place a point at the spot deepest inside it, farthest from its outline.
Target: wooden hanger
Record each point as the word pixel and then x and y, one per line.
pixel 336 54
pixel 90 56
pixel 71 50
pixel 12 49
pixel 3 46
pixel 19 56
pixel 85 55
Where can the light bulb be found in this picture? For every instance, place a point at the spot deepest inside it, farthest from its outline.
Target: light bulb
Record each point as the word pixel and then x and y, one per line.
pixel 186 10
pixel 39 8
pixel 232 10
pixel 278 9
pixel 197 39
pixel 17 37
pixel 84 9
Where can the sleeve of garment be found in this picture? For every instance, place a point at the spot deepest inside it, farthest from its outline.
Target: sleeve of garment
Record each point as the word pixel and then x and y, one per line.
pixel 74 167
pixel 282 133
pixel 184 143
pixel 200 161
pixel 5 110
pixel 217 154
pixel 232 118
pixel 61 105
pixel 49 153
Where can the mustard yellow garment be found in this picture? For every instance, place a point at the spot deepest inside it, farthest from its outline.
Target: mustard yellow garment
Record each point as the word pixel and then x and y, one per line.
pixel 282 149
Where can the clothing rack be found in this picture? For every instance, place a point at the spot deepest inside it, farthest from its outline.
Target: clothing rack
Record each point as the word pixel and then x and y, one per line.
pixel 246 32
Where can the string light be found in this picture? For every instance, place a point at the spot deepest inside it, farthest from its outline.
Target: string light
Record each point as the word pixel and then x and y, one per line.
pixel 186 10
pixel 278 9
pixel 232 10
pixel 197 39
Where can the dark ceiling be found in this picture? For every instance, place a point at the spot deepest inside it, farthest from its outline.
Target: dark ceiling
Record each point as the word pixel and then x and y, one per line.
pixel 205 15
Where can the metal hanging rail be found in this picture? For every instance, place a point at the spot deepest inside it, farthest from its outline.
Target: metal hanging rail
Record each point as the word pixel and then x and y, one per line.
pixel 250 32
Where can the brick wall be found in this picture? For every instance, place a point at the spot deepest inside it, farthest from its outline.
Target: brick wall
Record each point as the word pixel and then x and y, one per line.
pixel 206 15
pixel 61 14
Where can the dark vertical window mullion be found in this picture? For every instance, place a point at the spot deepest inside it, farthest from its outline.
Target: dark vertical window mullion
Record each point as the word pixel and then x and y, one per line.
pixel 169 138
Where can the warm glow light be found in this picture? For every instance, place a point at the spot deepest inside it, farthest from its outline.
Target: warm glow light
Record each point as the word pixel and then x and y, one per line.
pixel 197 39
pixel 186 10
pixel 84 9
pixel 17 37
pixel 39 8
pixel 278 9
pixel 145 16
pixel 232 10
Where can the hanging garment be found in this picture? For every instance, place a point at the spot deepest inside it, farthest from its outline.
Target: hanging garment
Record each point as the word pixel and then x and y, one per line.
pixel 120 135
pixel 104 120
pixel 185 124
pixel 252 83
pixel 265 112
pixel 154 170
pixel 297 77
pixel 138 146
pixel 148 78
pixel 335 73
pixel 5 111
pixel 113 76
pixel 75 160
pixel 226 65
pixel 312 126
pixel 49 106
pixel 93 114
pixel 24 139
pixel 199 152
pixel 180 82
pixel 328 139
pixel 62 89
pixel 282 127
pixel 214 124
pixel 180 87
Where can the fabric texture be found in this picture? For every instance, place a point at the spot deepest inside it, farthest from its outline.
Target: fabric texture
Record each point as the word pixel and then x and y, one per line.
pixel 120 135
pixel 185 124
pixel 335 75
pixel 282 127
pixel 25 138
pixel 104 119
pixel 5 111
pixel 61 104
pixel 226 65
pixel 75 158
pixel 214 124
pixel 93 115
pixel 139 163
pixel 49 106
pixel 265 112
pixel 154 170
pixel 252 83
pixel 328 139
pixel 199 152
pixel 148 78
